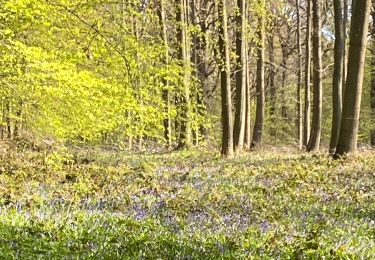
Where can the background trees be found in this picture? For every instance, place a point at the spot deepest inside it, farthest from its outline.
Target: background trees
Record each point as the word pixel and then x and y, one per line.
pixel 141 72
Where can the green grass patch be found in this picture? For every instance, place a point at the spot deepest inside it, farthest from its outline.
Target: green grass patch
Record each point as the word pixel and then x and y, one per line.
pixel 69 204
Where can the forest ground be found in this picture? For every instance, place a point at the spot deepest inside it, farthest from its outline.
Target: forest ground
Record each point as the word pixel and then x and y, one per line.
pixel 96 203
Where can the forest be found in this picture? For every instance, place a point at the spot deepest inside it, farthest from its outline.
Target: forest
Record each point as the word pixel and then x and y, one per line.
pixel 187 129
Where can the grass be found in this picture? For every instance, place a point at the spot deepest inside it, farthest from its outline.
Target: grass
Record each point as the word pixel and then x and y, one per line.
pixel 82 204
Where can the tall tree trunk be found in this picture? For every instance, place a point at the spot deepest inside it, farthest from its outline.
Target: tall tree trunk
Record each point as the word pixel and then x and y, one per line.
pixel 226 97
pixel 259 118
pixel 314 141
pixel 165 93
pixel 240 112
pixel 272 85
pixel 284 108
pixel 306 122
pixel 194 61
pixel 372 93
pixel 247 140
pixel 299 83
pixel 347 142
pixel 184 139
pixel 345 25
pixel 337 73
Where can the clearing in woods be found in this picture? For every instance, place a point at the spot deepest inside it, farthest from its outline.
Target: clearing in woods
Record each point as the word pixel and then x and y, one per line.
pixel 188 205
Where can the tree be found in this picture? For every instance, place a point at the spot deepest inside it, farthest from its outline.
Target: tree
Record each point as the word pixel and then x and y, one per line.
pixel 372 92
pixel 347 142
pixel 299 81
pixel 241 71
pixel 226 97
pixel 337 73
pixel 272 83
pixel 165 93
pixel 184 139
pixel 259 118
pixel 316 125
pixel 306 123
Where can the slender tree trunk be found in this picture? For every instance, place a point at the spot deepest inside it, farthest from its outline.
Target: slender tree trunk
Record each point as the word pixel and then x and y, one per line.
pixel 240 112
pixel 247 139
pixel 345 22
pixel 284 108
pixel 347 142
pixel 272 85
pixel 314 141
pixel 306 123
pixel 337 74
pixel 202 98
pixel 194 61
pixel 259 118
pixel 226 98
pixel 184 139
pixel 165 93
pixel 299 125
pixel 372 93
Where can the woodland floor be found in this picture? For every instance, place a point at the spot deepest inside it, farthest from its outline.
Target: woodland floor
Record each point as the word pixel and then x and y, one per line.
pixel 91 203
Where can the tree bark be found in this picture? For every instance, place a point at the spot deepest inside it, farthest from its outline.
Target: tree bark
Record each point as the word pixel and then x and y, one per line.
pixel 247 140
pixel 259 118
pixel 283 101
pixel 372 91
pixel 345 22
pixel 306 124
pixel 240 111
pixel 184 139
pixel 272 85
pixel 299 125
pixel 337 74
pixel 347 142
pixel 226 97
pixel 165 93
pixel 314 141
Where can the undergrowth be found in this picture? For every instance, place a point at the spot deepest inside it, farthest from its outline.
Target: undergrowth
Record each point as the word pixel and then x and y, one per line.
pixel 72 203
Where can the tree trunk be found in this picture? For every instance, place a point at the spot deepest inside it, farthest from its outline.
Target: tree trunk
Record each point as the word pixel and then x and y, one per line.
pixel 259 118
pixel 165 93
pixel 337 74
pixel 247 140
pixel 314 141
pixel 372 93
pixel 347 142
pixel 284 108
pixel 306 124
pixel 184 139
pixel 194 61
pixel 240 112
pixel 226 98
pixel 345 22
pixel 299 83
pixel 272 86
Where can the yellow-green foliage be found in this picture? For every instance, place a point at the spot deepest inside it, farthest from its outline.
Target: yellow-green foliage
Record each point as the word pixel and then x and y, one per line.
pixel 75 76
